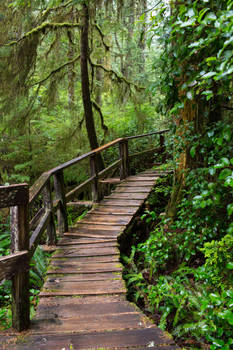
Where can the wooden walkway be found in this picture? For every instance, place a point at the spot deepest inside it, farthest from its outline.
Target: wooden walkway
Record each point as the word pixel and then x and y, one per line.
pixel 83 303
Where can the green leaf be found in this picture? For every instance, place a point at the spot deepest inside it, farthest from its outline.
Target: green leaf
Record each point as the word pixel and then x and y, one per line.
pixel 224 174
pixel 227 135
pixel 230 209
pixel 211 59
pixel 208 75
pixel 202 13
pixel 230 266
pixel 193 151
pixel 188 23
pixel 211 16
pixel 225 161
pixel 228 316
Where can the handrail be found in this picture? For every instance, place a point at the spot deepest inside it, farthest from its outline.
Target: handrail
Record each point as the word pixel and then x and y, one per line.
pixel 40 195
pixel 42 185
pixel 15 266
pixel 148 134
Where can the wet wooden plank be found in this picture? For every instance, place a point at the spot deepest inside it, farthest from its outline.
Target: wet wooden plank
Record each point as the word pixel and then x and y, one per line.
pixel 98 218
pixel 91 299
pixel 86 226
pixel 84 246
pixel 101 276
pixel 134 196
pixel 115 210
pixel 148 184
pixel 77 310
pixel 122 338
pixel 147 179
pixel 60 287
pixel 132 189
pixel 76 252
pixel 122 202
pixel 83 259
pixel 84 241
pixel 91 323
pixel 82 268
pixel 90 234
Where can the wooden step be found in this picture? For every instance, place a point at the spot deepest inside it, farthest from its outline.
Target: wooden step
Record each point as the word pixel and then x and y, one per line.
pixel 55 309
pixel 127 338
pixel 68 288
pixel 101 276
pixel 73 251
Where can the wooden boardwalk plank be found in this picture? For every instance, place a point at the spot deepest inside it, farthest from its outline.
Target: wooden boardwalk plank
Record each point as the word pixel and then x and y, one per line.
pixel 129 338
pixel 101 276
pixel 77 310
pixel 82 304
pixel 77 252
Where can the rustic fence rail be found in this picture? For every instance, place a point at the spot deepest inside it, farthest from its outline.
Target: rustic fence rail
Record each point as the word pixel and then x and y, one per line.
pixel 49 197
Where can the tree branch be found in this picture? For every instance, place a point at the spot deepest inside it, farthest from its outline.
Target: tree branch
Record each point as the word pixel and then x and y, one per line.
pixel 107 47
pixel 56 70
pixel 97 107
pixel 42 28
pixel 48 10
pixel 119 78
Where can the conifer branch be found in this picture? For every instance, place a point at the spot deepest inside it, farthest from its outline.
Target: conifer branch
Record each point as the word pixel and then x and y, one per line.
pixel 42 28
pixel 57 8
pixel 120 78
pixel 57 70
pixel 107 47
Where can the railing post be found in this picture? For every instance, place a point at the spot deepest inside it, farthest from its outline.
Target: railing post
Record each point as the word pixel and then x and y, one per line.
pixel 94 172
pixel 60 196
pixel 162 146
pixel 124 156
pixel 48 203
pixel 20 281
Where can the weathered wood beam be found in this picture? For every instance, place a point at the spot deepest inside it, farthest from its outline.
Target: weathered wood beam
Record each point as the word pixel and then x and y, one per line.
pixel 48 204
pixel 11 264
pixel 20 281
pixel 38 186
pixel 13 195
pixel 36 235
pixel 59 188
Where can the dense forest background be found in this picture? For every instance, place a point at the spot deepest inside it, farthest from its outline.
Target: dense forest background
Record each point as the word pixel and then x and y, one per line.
pixel 76 74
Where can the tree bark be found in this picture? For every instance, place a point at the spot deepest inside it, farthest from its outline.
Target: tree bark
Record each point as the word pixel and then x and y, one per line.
pixel 86 97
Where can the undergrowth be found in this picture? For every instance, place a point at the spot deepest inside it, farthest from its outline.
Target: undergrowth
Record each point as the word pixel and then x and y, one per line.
pixel 181 273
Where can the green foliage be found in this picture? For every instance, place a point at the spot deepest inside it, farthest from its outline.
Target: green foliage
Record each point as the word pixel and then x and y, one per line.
pixel 219 261
pixel 183 271
pixel 198 42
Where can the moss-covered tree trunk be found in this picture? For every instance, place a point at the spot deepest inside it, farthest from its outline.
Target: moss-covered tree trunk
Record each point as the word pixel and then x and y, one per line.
pixel 86 96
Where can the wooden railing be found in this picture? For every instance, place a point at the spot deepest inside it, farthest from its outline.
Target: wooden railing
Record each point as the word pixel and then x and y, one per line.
pixel 45 199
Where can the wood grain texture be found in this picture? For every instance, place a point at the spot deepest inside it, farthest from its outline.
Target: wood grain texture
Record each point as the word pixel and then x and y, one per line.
pixel 83 302
pixel 13 195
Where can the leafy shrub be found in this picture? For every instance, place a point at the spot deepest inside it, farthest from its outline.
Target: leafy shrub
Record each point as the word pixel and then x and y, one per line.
pixel 219 261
